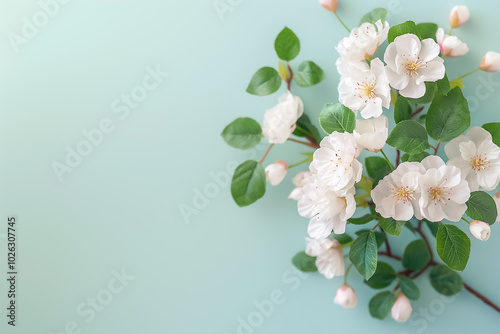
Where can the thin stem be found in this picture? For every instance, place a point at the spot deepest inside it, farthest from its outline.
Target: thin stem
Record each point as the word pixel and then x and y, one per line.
pixel 451 29
pixel 387 159
pixel 289 81
pixel 398 157
pixel 374 227
pixel 303 143
pixel 467 74
pixel 465 220
pixel 483 298
pixel 347 272
pixel 338 17
pixel 265 154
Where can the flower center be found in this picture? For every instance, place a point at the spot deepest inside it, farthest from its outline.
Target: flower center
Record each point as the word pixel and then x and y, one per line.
pixel 478 164
pixel 404 194
pixel 366 90
pixel 412 67
pixel 436 194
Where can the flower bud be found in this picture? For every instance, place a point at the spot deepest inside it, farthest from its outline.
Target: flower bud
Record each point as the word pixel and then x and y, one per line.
pixel 401 310
pixel 458 16
pixel 276 172
pixel 496 198
pixel 450 46
pixel 490 62
pixel 346 296
pixel 330 5
pixel 480 230
pixel 372 133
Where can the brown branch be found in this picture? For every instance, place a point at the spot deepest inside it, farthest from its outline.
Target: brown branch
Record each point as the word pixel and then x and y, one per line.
pixel 390 255
pixel 483 298
pixel 417 111
pixel 265 154
pixel 398 157
pixel 303 143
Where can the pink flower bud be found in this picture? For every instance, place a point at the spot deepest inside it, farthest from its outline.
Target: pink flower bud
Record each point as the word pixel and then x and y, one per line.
pixel 346 296
pixel 490 62
pixel 276 172
pixel 330 5
pixel 480 230
pixel 458 16
pixel 401 310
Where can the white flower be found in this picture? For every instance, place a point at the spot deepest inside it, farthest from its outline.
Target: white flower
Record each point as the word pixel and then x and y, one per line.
pixel 346 296
pixel 443 191
pixel 345 66
pixel 490 62
pixel 410 63
pixel 480 230
pixel 335 162
pixel 330 5
pixel 361 44
pixel 276 172
pixel 372 133
pixel 477 157
pixel 366 90
pixel 279 122
pixel 458 16
pixel 401 310
pixel 298 181
pixel 329 258
pixel 326 210
pixel 496 198
pixel 397 195
pixel 450 46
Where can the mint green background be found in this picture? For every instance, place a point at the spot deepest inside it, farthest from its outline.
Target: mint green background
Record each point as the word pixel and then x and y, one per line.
pixel 121 207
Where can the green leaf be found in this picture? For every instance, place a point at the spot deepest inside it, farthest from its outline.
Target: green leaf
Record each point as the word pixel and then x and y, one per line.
pixel 482 206
pixel 416 255
pixel 249 183
pixel 433 226
pixel 427 30
pixel 363 254
pixel 337 117
pixel 375 15
pixel 343 238
pixel 443 85
pixel 242 133
pixel 305 128
pixel 380 305
pixel 377 168
pixel 391 226
pixel 264 82
pixel 414 157
pixel 446 281
pixel 402 110
pixel 384 275
pixel 430 92
pixel 379 236
pixel 287 45
pixel 448 116
pixel 309 74
pixel 407 27
pixel 409 137
pixel 362 220
pixel 409 288
pixel 453 246
pixel 304 262
pixel 494 129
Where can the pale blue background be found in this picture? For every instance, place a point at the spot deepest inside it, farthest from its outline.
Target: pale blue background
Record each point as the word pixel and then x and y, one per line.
pixel 120 207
